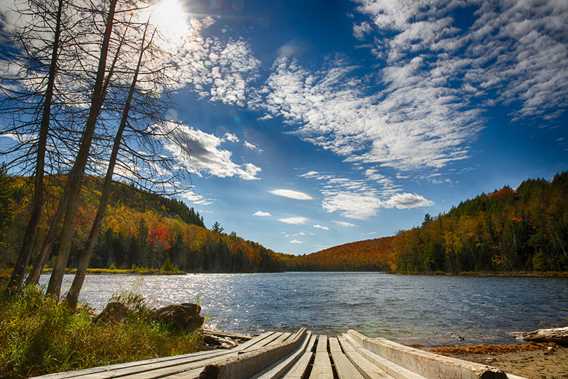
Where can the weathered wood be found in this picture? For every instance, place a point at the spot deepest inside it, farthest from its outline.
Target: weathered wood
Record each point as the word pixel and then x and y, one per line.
pixel 248 364
pixel 343 366
pixel 281 339
pixel 219 333
pixel 299 369
pixel 165 360
pixel 254 341
pixel 266 341
pixel 322 364
pixel 423 363
pixel 556 335
pixel 392 369
pixel 297 355
pixel 281 367
pixel 366 367
pixel 105 369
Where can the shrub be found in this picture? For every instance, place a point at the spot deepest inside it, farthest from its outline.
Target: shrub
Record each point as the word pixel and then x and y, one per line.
pixel 38 335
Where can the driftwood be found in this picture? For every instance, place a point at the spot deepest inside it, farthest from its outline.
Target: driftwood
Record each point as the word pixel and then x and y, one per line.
pixel 223 340
pixel 556 335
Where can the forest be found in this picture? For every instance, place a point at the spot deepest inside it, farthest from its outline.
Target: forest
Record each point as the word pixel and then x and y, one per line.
pixel 140 230
pixel 508 230
pixel 522 229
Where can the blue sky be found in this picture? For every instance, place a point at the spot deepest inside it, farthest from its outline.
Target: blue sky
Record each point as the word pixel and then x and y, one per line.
pixel 315 123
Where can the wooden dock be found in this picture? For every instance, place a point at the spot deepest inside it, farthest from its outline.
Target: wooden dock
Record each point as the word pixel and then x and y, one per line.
pixel 298 355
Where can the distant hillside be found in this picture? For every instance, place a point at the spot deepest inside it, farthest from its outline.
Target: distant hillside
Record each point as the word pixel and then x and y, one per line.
pixel 369 255
pixel 140 230
pixel 523 229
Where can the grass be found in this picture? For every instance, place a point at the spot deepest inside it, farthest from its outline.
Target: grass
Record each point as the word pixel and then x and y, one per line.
pixel 39 335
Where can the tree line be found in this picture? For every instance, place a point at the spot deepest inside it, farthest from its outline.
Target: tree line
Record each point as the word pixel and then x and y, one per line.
pixel 522 229
pixel 141 230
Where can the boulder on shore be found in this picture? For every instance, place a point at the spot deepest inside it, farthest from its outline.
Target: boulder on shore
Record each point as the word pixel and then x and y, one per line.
pixel 113 313
pixel 185 316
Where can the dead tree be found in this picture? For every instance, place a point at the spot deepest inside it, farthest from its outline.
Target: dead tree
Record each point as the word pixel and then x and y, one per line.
pixel 73 186
pixel 85 256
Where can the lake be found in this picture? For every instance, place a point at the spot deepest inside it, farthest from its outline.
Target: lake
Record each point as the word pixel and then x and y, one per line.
pixel 409 309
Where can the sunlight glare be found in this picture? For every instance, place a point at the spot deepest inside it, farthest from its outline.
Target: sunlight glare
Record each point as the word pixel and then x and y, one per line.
pixel 170 17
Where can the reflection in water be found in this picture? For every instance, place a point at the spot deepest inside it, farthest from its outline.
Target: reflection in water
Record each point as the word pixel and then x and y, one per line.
pixel 420 309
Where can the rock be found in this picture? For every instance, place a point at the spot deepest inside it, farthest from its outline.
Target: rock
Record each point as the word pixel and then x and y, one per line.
pixel 183 317
pixel 113 313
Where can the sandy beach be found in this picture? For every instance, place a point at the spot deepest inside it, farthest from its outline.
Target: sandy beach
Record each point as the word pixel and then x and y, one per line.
pixel 532 360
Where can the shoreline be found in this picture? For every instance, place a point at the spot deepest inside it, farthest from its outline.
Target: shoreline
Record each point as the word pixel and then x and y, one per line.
pixel 473 274
pixel 532 360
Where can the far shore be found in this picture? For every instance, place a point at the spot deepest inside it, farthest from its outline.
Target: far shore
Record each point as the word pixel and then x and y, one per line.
pixel 512 274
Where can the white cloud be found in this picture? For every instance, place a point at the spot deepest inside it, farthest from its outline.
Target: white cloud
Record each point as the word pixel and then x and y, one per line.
pixel 251 146
pixel 262 214
pixel 351 204
pixel 296 242
pixel 512 49
pixel 291 194
pixel 230 137
pixel 322 227
pixel 297 220
pixel 194 198
pixel 435 81
pixel 412 124
pixel 344 224
pixel 407 200
pixel 201 153
pixel 360 30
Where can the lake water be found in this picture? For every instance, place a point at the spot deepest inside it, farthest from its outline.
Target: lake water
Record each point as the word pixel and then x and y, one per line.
pixel 410 309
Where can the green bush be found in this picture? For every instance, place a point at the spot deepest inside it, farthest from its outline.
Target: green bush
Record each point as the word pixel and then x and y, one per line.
pixel 39 335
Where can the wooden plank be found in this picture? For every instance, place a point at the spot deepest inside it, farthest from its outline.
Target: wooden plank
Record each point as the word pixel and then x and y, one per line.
pixel 263 343
pixel 249 364
pixel 392 369
pixel 189 370
pixel 107 370
pixel 366 367
pixel 424 363
pixel 283 337
pixel 343 366
pixel 173 359
pixel 153 370
pixel 254 341
pixel 279 368
pixel 322 364
pixel 299 369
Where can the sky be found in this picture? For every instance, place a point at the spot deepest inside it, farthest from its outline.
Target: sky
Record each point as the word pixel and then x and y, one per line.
pixel 315 123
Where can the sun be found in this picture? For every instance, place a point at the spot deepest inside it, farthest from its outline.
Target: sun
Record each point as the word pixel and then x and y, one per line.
pixel 170 17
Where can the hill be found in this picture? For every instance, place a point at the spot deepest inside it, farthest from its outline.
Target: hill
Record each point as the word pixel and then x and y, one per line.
pixel 522 229
pixel 141 229
pixel 369 255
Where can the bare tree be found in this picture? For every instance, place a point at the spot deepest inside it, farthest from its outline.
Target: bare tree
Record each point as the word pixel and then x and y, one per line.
pixel 85 257
pixel 73 187
pixel 17 276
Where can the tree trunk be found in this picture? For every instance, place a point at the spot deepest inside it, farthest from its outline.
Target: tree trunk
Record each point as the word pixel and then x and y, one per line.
pixel 556 335
pixel 49 240
pixel 30 235
pixel 85 257
pixel 73 186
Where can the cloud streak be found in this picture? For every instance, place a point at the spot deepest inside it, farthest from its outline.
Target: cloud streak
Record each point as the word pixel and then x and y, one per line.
pixel 297 220
pixel 291 194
